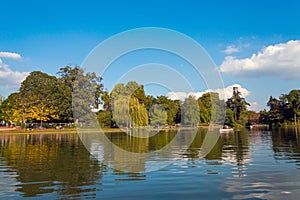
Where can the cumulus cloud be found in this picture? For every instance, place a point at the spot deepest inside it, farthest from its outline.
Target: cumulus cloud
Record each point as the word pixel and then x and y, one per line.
pixel 275 60
pixel 182 95
pixel 10 79
pixel 231 49
pixel 224 93
pixel 9 55
pixel 254 106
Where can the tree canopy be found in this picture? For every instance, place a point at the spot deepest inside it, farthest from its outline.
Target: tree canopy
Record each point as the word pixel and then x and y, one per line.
pixel 75 96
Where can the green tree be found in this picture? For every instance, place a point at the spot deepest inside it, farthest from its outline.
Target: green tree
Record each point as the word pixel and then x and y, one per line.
pixel 106 101
pixel 190 111
pixel 22 110
pixel 275 114
pixel 138 113
pixel 86 90
pixel 104 118
pixel 229 119
pixel 238 105
pixel 120 110
pixel 205 108
pixel 8 107
pixel 41 91
pixel 16 108
pixel 158 115
pixel 264 117
pixel 294 103
pixel 128 102
pixel 211 107
pixel 172 107
pixel 135 90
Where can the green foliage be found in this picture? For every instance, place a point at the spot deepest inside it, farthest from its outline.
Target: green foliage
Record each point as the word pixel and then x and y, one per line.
pixel 138 113
pixel 40 91
pixel 158 115
pixel 8 106
pixel 244 116
pixel 42 97
pixel 275 114
pixel 190 111
pixel 286 108
pixel 238 105
pixel 172 107
pixel 46 98
pixel 86 90
pixel 128 105
pixel 229 119
pixel 294 104
pixel 104 118
pixel 37 100
pixel 264 117
pixel 211 107
pixel 120 110
pixel 106 101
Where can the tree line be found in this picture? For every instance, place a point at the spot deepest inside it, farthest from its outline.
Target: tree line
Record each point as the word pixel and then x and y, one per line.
pixel 43 98
pixel 285 109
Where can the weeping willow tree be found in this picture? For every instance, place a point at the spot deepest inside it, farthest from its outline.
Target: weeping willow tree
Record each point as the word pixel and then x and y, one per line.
pixel 128 108
pixel 138 113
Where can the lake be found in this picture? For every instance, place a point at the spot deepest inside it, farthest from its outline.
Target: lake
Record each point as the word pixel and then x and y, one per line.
pixel 256 164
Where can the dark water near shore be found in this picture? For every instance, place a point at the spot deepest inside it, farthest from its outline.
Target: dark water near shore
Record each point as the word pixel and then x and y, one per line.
pixel 245 165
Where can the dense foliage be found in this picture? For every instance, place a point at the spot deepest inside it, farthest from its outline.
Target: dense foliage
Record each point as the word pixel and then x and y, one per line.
pixel 44 98
pixel 284 109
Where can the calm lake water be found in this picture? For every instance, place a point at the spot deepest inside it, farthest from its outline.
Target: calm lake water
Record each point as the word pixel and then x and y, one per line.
pixel 246 165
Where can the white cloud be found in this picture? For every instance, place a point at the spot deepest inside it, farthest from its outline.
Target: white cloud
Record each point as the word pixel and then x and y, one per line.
pixel 182 95
pixel 254 106
pixel 231 49
pixel 9 79
pixel 9 55
pixel 275 60
pixel 227 92
pixel 224 93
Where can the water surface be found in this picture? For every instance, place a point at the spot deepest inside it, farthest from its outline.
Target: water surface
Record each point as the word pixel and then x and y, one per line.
pixel 243 165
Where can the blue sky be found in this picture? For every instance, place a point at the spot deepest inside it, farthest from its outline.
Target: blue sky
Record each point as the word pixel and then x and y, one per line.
pixel 45 36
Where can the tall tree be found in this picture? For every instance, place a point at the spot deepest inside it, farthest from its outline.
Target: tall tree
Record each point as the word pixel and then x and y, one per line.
pixel 237 104
pixel 229 118
pixel 172 107
pixel 138 113
pixel 128 102
pixel 158 115
pixel 86 91
pixel 120 110
pixel 275 114
pixel 190 111
pixel 211 107
pixel 42 91
pixel 294 103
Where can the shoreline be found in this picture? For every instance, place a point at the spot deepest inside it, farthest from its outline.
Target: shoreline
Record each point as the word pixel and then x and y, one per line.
pixel 105 130
pixel 74 130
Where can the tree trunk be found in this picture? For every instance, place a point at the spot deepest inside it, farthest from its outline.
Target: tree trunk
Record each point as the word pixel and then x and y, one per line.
pixel 295 118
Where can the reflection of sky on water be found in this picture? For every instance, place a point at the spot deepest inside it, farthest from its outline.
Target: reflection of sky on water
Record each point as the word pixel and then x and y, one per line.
pixel 264 177
pixel 8 180
pixel 244 165
pixel 265 185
